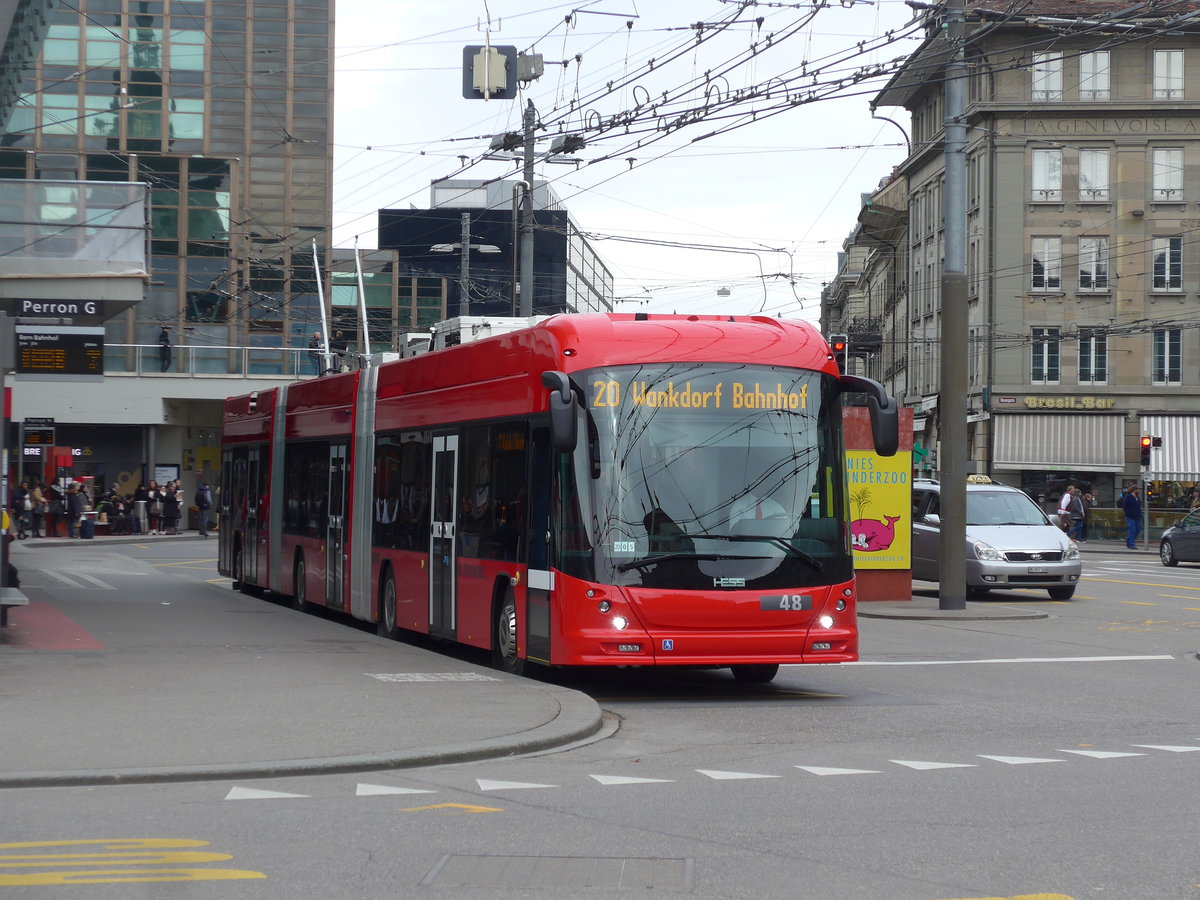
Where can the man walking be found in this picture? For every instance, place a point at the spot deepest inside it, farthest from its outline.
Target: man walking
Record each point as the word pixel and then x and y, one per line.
pixel 203 500
pixel 1132 507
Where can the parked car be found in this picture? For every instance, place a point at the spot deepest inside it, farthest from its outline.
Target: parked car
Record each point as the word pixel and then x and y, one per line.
pixel 1181 542
pixel 1011 543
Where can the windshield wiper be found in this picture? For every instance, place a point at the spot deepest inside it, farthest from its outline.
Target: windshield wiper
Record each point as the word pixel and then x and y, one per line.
pixel 651 560
pixel 771 539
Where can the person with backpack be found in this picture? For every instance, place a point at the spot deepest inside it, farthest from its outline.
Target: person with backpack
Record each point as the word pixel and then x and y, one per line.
pixel 203 501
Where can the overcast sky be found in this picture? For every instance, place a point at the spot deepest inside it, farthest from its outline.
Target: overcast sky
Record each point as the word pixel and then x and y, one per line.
pixel 687 165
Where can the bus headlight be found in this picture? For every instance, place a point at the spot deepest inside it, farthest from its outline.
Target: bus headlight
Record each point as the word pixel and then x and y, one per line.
pixel 620 623
pixel 825 621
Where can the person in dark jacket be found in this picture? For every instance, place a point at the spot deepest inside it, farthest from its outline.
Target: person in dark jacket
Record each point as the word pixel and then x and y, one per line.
pixel 1132 507
pixel 164 349
pixel 170 506
pixel 76 502
pixel 203 505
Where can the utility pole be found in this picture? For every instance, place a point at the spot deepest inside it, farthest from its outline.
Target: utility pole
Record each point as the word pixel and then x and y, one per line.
pixel 952 397
pixel 530 120
pixel 464 274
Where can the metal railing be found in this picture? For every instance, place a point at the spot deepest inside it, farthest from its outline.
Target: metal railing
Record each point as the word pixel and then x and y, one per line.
pixel 211 361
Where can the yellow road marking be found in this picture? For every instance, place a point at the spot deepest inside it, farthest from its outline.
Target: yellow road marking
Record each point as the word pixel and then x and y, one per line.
pixel 1138 602
pixel 1141 583
pixel 186 562
pixel 149 854
pixel 455 806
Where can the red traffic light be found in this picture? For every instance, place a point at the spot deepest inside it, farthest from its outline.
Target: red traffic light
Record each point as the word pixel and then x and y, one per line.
pixel 839 346
pixel 1146 441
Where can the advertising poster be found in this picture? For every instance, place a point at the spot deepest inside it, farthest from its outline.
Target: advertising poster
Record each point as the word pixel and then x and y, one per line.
pixel 880 508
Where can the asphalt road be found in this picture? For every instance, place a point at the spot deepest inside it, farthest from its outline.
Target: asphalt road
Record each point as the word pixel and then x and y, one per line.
pixel 1051 758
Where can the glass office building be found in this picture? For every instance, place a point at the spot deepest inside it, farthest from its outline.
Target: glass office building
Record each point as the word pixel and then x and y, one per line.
pixel 224 108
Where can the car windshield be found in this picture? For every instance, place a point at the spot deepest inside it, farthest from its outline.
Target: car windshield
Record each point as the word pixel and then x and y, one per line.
pixel 1002 508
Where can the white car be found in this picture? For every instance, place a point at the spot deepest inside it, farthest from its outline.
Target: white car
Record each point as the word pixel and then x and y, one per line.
pixel 1011 543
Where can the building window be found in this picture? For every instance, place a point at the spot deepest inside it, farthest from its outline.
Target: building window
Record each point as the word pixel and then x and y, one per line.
pixel 1168 264
pixel 1093 175
pixel 1093 357
pixel 1168 74
pixel 1043 367
pixel 1047 175
pixel 1168 351
pixel 1093 75
pixel 1093 264
pixel 1047 263
pixel 1167 181
pixel 1047 76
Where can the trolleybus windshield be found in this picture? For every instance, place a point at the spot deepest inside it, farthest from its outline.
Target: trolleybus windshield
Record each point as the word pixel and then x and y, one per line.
pixel 703 476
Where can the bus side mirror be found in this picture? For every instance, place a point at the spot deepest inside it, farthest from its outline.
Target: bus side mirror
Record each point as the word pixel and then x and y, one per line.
pixel 885 414
pixel 563 407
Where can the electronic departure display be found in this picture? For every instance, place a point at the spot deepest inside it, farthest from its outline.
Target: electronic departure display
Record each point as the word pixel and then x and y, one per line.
pixel 60 350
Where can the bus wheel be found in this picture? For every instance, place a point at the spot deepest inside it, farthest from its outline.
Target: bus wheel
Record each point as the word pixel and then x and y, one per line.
pixel 504 648
pixel 299 586
pixel 755 674
pixel 238 575
pixel 387 610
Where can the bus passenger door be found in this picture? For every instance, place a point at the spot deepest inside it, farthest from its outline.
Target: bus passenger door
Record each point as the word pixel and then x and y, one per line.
pixel 253 494
pixel 335 535
pixel 441 535
pixel 225 524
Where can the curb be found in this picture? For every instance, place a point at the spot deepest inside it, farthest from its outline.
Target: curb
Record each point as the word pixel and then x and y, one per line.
pixel 578 718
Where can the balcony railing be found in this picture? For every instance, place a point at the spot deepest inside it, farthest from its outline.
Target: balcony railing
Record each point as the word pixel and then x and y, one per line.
pixel 209 361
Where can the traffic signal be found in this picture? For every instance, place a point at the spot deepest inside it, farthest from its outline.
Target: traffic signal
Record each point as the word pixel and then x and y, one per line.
pixel 1147 441
pixel 837 345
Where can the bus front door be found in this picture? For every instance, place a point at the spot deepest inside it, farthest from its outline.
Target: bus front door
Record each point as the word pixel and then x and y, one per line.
pixel 253 488
pixel 335 535
pixel 441 535
pixel 225 525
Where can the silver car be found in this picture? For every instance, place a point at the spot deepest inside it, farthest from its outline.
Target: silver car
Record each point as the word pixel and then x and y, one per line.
pixel 1011 543
pixel 1181 542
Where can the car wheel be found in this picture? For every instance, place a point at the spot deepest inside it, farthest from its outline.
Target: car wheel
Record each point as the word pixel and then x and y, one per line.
pixel 1166 552
pixel 504 648
pixel 1061 593
pixel 759 673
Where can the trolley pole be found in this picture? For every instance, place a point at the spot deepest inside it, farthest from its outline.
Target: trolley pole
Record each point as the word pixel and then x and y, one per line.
pixel 952 399
pixel 529 122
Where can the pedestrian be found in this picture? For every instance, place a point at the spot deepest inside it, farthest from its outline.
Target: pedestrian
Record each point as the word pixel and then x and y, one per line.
pixel 76 504
pixel 154 506
pixel 170 508
pixel 1088 502
pixel 1132 507
pixel 56 508
pixel 203 505
pixel 164 349
pixel 316 352
pixel 338 348
pixel 1077 513
pixel 39 508
pixel 1065 518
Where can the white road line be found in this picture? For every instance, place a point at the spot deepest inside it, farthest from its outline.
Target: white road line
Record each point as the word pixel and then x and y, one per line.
pixel 627 779
pixel 241 793
pixel 488 785
pixel 103 585
pixel 1099 754
pixel 1018 760
pixel 70 582
pixel 829 770
pixel 718 775
pixel 1016 659
pixel 375 790
pixel 923 766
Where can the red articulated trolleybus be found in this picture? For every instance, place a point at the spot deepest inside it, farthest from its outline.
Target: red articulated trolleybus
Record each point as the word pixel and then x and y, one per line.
pixel 588 490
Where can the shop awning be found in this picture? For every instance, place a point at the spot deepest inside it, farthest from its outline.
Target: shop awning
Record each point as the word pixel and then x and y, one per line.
pixel 1178 459
pixel 1080 442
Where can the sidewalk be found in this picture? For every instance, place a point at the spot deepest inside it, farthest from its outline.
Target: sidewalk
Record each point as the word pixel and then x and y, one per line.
pixel 104 685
